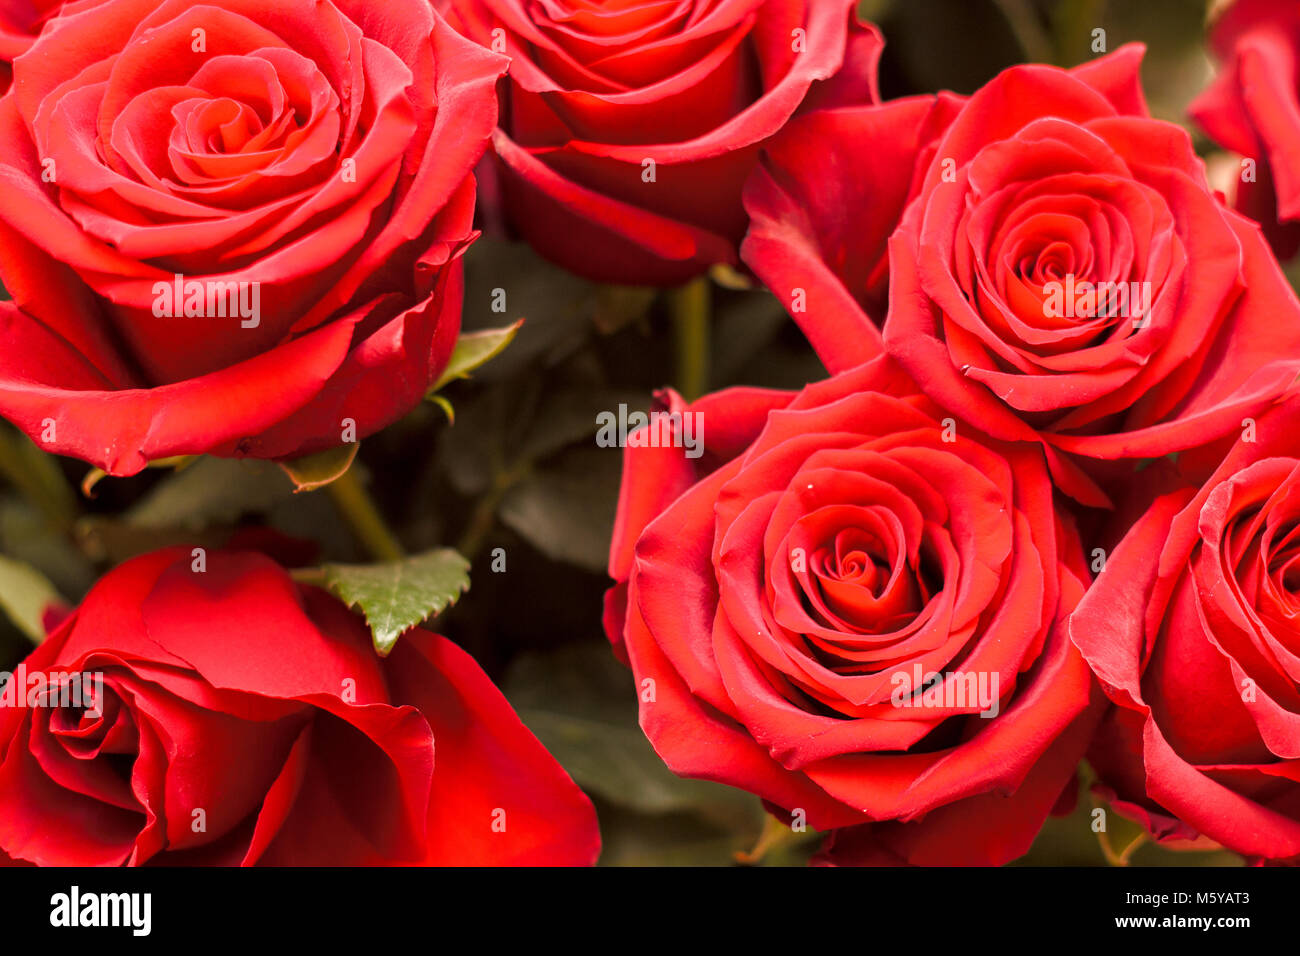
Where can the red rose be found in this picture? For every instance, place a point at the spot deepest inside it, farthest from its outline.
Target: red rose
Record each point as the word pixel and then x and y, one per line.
pixel 234 228
pixel 654 476
pixel 1253 108
pixel 240 718
pixel 20 22
pixel 628 130
pixel 855 617
pixel 820 227
pixel 1061 273
pixel 1193 630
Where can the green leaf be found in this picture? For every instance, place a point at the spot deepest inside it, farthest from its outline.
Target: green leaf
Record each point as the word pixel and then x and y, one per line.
pixel 570 415
pixel 26 536
pixel 212 491
pixel 25 593
pixel 474 349
pixel 397 595
pixel 616 762
pixel 745 325
pixel 37 476
pixel 316 471
pixel 107 539
pixel 558 306
pixel 582 705
pixel 567 512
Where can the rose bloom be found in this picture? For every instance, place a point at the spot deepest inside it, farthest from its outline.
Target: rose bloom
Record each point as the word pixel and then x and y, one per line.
pixel 246 719
pixel 628 129
pixel 1061 272
pixel 234 227
pixel 1192 629
pixel 20 22
pixel 1253 108
pixel 849 606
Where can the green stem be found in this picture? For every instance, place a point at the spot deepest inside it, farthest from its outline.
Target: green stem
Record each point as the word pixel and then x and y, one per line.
pixel 690 307
pixel 1117 857
pixel 484 516
pixel 1108 851
pixel 1126 855
pixel 38 478
pixel 362 516
pixel 775 833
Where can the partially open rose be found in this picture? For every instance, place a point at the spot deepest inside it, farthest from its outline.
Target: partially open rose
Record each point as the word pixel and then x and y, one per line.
pixel 629 128
pixel 234 227
pixel 224 715
pixel 1194 630
pixel 850 607
pixel 1253 109
pixel 1061 272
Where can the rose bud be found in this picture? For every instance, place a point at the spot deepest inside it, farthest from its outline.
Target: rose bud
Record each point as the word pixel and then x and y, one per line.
pixel 223 714
pixel 1253 109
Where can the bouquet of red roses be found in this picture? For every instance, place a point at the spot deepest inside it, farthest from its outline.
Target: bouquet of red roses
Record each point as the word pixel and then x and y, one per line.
pixel 941 446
